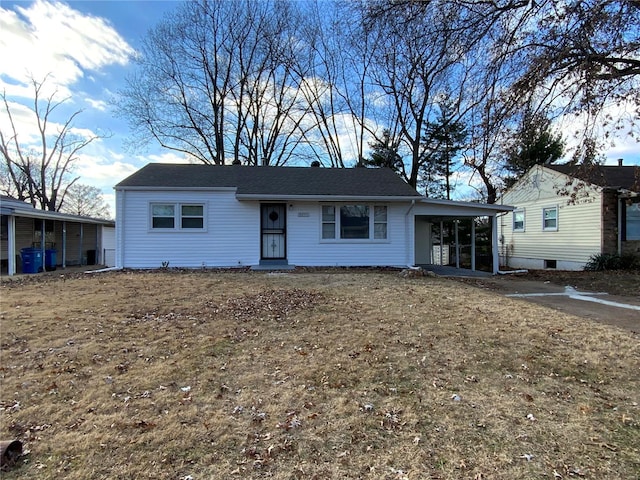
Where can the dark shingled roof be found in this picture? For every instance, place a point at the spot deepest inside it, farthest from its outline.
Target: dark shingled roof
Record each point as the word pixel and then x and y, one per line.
pixel 626 177
pixel 274 181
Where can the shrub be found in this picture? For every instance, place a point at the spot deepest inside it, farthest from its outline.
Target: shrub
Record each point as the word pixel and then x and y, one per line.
pixel 612 261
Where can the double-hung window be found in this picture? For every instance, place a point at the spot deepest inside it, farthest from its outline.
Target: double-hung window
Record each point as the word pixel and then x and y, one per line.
pixel 354 222
pixel 632 221
pixel 176 216
pixel 518 220
pixel 550 219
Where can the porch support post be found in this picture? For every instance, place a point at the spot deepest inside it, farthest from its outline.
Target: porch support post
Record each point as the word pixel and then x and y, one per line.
pixel 11 245
pixel 473 243
pixel 441 243
pixel 42 245
pixel 494 244
pixel 455 223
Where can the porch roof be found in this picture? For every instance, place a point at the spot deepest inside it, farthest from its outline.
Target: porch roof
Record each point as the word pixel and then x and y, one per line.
pixel 435 207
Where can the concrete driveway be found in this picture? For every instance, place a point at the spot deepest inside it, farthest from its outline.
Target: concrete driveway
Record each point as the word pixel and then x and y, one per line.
pixel 623 312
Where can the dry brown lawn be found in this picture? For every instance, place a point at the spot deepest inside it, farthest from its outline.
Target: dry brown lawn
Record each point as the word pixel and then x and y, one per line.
pixel 199 375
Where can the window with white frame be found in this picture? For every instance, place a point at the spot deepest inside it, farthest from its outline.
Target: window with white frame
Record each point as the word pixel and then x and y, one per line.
pixel 550 218
pixel 518 220
pixel 354 222
pixel 175 216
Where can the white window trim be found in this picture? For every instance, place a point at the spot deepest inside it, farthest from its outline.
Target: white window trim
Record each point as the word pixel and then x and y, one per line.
pixel 372 223
pixel 524 220
pixel 551 229
pixel 177 217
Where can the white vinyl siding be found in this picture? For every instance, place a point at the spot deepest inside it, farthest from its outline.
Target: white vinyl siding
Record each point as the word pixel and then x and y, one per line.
pixel 305 246
pixel 232 236
pixel 354 222
pixel 579 231
pixel 234 242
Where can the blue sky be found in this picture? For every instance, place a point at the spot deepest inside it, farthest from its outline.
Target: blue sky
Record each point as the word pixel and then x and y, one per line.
pixel 87 48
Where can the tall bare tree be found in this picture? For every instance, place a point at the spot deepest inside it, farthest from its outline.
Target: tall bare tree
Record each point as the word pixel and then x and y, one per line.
pixel 40 172
pixel 215 82
pixel 420 59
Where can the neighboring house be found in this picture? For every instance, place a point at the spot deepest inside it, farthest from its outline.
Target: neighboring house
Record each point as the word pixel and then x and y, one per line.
pixel 232 216
pixel 565 214
pixel 63 240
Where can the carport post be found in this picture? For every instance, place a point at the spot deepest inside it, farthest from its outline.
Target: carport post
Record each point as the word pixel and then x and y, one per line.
pixel 473 244
pixel 11 245
pixel 441 242
pixel 455 222
pixel 42 245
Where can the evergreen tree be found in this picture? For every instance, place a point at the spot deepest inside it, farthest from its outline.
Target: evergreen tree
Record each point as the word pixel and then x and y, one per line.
pixel 534 144
pixel 442 141
pixel 385 153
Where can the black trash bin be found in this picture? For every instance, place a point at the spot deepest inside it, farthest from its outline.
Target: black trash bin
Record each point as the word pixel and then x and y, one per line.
pixel 91 257
pixel 50 259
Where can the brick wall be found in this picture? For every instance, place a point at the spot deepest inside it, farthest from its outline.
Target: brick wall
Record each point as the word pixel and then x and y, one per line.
pixel 609 221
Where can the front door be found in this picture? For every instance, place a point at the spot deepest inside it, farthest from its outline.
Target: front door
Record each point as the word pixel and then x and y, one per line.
pixel 273 223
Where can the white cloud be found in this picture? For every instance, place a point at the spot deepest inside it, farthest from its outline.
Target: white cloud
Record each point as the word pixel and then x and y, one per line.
pixel 97 104
pixel 52 38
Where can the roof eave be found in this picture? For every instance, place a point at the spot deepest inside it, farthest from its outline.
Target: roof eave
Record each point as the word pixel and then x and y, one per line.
pixel 142 188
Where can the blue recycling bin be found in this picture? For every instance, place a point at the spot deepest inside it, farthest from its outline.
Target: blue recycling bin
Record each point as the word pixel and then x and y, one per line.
pixel 50 259
pixel 31 260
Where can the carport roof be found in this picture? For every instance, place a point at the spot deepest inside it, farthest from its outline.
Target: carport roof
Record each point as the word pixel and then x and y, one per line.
pixel 18 208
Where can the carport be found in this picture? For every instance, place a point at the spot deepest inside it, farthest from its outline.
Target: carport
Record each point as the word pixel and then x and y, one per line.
pixel 462 235
pixel 76 240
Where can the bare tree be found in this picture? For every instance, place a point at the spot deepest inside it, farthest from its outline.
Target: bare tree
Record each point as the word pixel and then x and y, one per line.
pixel 215 82
pixel 419 62
pixel 85 200
pixel 40 173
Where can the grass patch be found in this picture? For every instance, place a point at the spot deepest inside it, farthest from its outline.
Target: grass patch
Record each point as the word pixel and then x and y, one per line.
pixel 309 375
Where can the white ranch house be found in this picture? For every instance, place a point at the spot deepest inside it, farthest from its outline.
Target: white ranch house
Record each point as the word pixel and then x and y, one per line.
pixel 564 214
pixel 197 216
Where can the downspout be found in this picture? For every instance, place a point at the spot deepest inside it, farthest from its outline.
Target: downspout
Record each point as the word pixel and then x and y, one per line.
pixel 409 237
